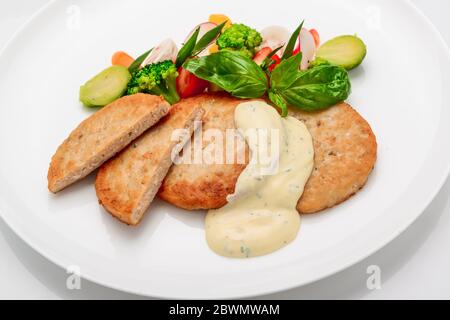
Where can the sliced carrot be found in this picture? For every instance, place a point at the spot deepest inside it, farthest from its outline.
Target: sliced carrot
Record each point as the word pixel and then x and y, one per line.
pixel 121 58
pixel 219 18
pixel 214 48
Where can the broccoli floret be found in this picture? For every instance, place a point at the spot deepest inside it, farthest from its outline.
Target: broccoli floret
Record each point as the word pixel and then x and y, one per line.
pixel 241 38
pixel 158 79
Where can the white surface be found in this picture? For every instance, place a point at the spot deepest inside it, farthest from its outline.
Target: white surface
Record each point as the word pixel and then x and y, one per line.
pixel 414 265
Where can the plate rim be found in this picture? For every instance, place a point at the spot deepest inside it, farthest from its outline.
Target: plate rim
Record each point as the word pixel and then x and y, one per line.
pixel 379 245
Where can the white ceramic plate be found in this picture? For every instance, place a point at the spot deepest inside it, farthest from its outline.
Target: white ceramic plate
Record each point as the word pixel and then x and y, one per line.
pixel 401 89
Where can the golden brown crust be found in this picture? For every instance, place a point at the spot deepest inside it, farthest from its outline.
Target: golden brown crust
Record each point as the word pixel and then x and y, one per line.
pixel 127 184
pixel 102 135
pixel 201 186
pixel 345 154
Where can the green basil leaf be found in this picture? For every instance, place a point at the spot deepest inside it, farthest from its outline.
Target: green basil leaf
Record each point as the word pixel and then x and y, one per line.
pixel 279 101
pixel 187 49
pixel 291 43
pixel 286 72
pixel 207 38
pixel 231 71
pixel 318 88
pixel 137 63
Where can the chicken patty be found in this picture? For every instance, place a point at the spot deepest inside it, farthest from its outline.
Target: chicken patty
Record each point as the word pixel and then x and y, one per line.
pixel 345 153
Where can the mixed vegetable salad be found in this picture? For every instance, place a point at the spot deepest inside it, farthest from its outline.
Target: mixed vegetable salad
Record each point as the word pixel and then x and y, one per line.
pixel 288 69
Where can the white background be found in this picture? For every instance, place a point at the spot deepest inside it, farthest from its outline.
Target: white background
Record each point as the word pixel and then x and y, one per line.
pixel 414 266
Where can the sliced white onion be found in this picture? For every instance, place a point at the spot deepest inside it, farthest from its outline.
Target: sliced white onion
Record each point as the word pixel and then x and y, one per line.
pixel 204 28
pixel 308 48
pixel 166 50
pixel 274 37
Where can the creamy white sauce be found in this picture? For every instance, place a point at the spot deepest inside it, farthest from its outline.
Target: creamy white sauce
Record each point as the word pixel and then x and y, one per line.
pixel 261 215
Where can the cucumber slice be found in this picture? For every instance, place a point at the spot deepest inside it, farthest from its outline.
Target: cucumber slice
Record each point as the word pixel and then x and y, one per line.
pixel 104 88
pixel 345 51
